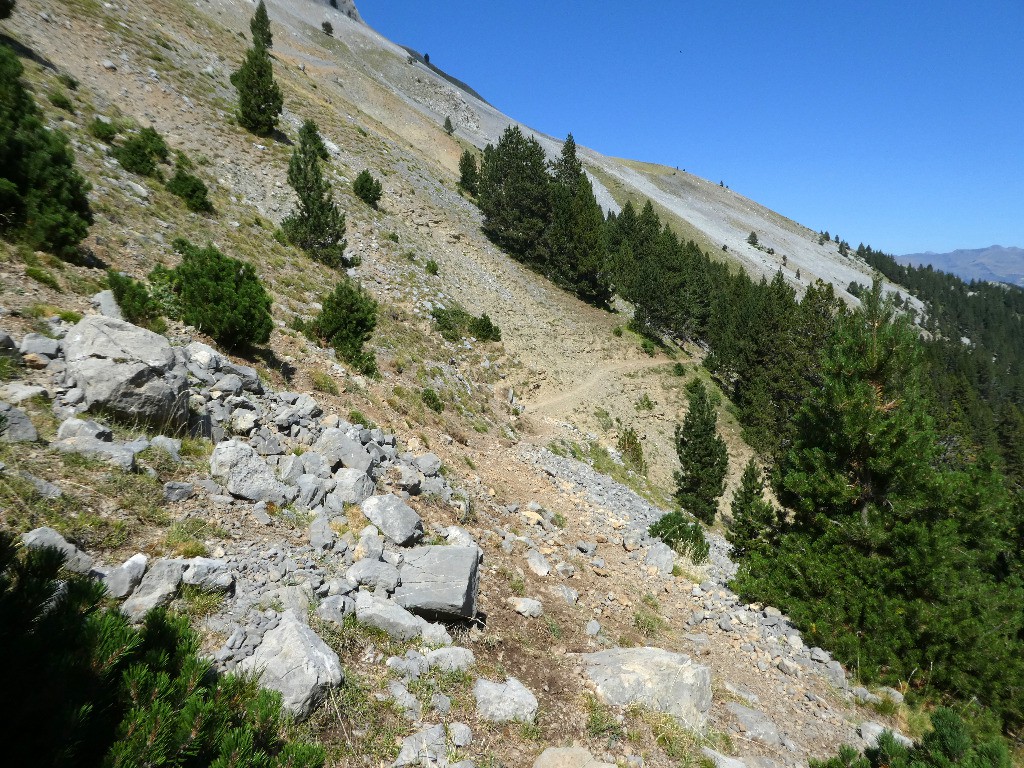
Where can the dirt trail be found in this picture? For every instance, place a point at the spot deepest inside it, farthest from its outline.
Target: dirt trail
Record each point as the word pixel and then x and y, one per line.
pixel 560 404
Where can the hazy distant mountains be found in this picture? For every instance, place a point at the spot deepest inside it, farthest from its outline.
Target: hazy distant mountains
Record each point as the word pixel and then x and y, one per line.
pixel 995 263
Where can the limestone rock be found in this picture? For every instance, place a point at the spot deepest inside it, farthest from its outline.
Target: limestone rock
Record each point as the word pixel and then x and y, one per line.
pixel 503 702
pixel 126 370
pixel 121 581
pixel 295 662
pixel 158 587
pixel 659 679
pixel 395 519
pixel 440 580
pixel 18 427
pixel 246 474
pixel 388 616
pixel 75 559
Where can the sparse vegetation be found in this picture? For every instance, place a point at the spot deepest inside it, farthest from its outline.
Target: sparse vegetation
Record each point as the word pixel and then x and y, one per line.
pixel 456 323
pixel 431 267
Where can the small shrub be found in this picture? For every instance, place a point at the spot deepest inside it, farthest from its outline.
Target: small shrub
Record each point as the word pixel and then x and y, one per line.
pixel 647 622
pixel 678 369
pixel 431 267
pixel 221 296
pixel 191 189
pixel 142 152
pixel 601 720
pixel 752 239
pixel 102 130
pixel 649 347
pixel 134 299
pixel 346 322
pixel 68 81
pixel 328 28
pixel 617 330
pixel 323 382
pixel 60 100
pixel 645 403
pixel 357 417
pixel 367 188
pixel 456 323
pixel 685 537
pixel 632 451
pixel 431 400
pixel 40 275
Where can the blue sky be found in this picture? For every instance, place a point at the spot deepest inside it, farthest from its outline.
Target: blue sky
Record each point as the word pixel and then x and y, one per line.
pixel 899 124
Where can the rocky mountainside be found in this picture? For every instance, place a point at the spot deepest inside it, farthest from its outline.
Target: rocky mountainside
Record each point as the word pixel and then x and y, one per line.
pixel 996 263
pixel 424 586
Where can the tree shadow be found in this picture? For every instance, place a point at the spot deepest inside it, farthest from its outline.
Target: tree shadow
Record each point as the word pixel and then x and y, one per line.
pixel 270 359
pixel 25 52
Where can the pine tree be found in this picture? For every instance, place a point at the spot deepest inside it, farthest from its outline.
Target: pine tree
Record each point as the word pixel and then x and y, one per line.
pixel 317 225
pixel 469 176
pixel 755 522
pixel 6 8
pixel 367 188
pixel 702 455
pixel 514 196
pixel 259 25
pixel 259 97
pixel 43 197
pixel 448 127
pixel 575 243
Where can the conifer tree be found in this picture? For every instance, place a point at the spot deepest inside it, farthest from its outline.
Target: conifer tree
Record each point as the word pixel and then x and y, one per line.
pixel 259 97
pixel 514 196
pixel 367 188
pixel 702 455
pixel 259 25
pixel 317 225
pixel 448 127
pixel 575 242
pixel 43 197
pixel 6 8
pixel 754 521
pixel 469 176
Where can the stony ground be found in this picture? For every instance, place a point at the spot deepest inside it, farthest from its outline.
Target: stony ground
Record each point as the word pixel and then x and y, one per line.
pixel 551 527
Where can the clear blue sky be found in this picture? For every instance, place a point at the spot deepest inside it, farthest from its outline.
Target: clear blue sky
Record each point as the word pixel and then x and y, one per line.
pixel 899 123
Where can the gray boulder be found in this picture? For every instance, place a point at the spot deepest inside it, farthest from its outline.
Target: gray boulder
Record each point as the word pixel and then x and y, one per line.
pixel 18 427
pixel 374 574
pixel 395 519
pixel 128 371
pixel 321 535
pixel 452 659
pixel 120 455
pixel 658 679
pixel 388 616
pixel 74 427
pixel 293 660
pixel 504 702
pixel 121 581
pixel 105 302
pixel 526 606
pixel 722 761
pixel 158 587
pixel 75 559
pixel 538 563
pixel 755 725
pixel 18 392
pixel 175 490
pixel 440 580
pixel 429 464
pixel 338 449
pixel 208 574
pixel 335 608
pixel 426 747
pixel 353 486
pixel 662 557
pixel 245 474
pixel 37 344
pixel 870 731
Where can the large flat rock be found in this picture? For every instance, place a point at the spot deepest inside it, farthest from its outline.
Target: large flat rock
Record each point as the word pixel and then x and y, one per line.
pixel 658 679
pixel 440 580
pixel 246 474
pixel 395 519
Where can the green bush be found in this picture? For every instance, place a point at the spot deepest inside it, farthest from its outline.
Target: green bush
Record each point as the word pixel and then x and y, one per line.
pixel 431 400
pixel 60 100
pixel 431 267
pixel 346 322
pixel 43 198
pixel 191 189
pixel 632 451
pixel 142 152
pixel 104 131
pixel 950 743
pixel 40 275
pixel 136 304
pixel 685 537
pixel 367 188
pixel 221 296
pixel 456 323
pixel 93 690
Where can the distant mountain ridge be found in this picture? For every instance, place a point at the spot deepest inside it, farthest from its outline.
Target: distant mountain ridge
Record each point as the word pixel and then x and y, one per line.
pixel 996 263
